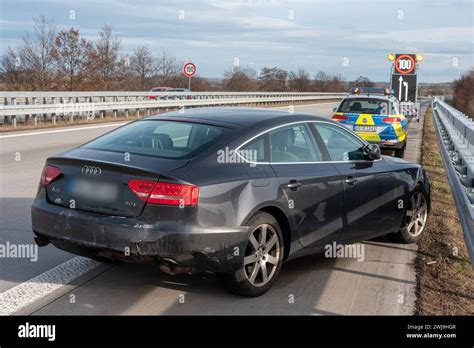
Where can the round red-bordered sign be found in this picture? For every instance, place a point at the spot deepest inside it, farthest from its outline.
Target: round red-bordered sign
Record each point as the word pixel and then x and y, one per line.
pixel 405 64
pixel 189 69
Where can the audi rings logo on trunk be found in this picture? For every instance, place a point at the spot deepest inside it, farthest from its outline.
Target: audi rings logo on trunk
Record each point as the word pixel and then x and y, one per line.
pixel 91 170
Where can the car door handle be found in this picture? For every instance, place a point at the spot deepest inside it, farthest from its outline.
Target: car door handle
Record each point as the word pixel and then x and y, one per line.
pixel 294 185
pixel 350 180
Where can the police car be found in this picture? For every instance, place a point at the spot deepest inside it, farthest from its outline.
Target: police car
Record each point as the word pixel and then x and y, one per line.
pixel 375 116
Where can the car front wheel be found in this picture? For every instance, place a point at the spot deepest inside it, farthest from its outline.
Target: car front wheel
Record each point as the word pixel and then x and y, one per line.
pixel 263 257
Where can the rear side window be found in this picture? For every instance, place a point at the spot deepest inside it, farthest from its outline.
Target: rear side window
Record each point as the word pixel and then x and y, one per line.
pixel 160 138
pixel 364 106
pixel 341 145
pixel 293 144
pixel 254 151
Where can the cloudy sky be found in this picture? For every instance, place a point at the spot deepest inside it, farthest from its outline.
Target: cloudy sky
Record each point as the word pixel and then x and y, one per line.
pixel 316 35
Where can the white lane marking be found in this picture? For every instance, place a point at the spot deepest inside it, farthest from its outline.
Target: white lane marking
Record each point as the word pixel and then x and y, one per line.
pixel 62 130
pixel 38 287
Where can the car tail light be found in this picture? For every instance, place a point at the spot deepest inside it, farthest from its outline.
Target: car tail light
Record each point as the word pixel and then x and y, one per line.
pixel 49 174
pixel 392 119
pixel 338 117
pixel 165 193
pixel 142 188
pixel 151 97
pixel 174 194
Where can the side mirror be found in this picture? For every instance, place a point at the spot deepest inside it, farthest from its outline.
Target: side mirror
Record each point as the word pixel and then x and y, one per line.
pixel 334 109
pixel 372 151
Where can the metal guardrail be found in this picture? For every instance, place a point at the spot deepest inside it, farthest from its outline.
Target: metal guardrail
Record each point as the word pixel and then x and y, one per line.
pixel 24 106
pixel 456 139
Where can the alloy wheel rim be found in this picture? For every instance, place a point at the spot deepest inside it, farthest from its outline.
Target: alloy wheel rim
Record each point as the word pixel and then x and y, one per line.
pixel 417 214
pixel 262 255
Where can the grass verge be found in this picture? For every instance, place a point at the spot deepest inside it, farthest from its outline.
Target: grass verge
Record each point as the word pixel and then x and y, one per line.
pixel 445 279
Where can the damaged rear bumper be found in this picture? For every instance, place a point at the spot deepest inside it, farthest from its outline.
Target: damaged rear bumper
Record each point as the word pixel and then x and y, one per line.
pixel 137 240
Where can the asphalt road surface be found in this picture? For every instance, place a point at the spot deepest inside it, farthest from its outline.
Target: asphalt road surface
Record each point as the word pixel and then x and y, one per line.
pixel 59 283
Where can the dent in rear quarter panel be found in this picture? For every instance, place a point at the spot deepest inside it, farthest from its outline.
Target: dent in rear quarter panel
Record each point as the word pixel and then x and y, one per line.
pixel 228 192
pixel 231 193
pixel 408 175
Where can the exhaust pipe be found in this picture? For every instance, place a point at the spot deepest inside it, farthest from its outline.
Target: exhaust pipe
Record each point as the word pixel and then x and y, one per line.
pixel 170 266
pixel 41 240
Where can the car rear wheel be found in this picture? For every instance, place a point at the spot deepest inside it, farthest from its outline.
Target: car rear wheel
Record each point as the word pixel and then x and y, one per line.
pixel 415 218
pixel 263 258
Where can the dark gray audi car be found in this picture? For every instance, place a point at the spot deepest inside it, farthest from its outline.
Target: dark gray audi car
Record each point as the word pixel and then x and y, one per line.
pixel 228 190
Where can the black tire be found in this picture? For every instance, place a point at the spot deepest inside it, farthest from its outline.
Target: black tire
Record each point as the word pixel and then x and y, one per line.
pixel 400 152
pixel 239 282
pixel 405 234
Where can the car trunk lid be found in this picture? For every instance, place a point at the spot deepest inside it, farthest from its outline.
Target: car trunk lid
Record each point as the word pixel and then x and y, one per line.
pixel 98 181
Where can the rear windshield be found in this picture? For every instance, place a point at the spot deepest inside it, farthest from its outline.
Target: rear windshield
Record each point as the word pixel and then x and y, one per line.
pixel 168 139
pixel 364 106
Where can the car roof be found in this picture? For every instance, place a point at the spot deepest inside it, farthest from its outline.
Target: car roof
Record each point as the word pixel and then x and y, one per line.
pixel 373 96
pixel 236 117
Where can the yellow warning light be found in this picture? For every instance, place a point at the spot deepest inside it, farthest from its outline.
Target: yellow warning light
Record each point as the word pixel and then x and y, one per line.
pixel 391 57
pixel 419 58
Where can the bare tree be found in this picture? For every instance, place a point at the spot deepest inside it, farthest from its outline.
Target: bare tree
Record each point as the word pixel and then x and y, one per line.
pixel 106 58
pixel 36 53
pixel 321 81
pixel 273 79
pixel 240 80
pixel 143 65
pixel 300 81
pixel 71 54
pixel 200 84
pixel 336 84
pixel 125 78
pixel 362 81
pixel 11 71
pixel 463 92
pixel 168 69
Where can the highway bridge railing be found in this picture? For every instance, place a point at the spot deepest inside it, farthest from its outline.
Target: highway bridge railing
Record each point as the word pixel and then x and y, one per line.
pixel 29 106
pixel 456 141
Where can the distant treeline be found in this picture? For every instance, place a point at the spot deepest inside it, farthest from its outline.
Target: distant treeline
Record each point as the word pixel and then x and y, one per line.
pixel 463 94
pixel 51 60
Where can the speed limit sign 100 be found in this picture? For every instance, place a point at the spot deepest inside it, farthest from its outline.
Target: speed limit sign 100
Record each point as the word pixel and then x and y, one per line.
pixel 189 69
pixel 405 63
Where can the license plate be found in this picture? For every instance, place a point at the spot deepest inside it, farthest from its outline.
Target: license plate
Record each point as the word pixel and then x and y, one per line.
pixel 365 128
pixel 95 190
